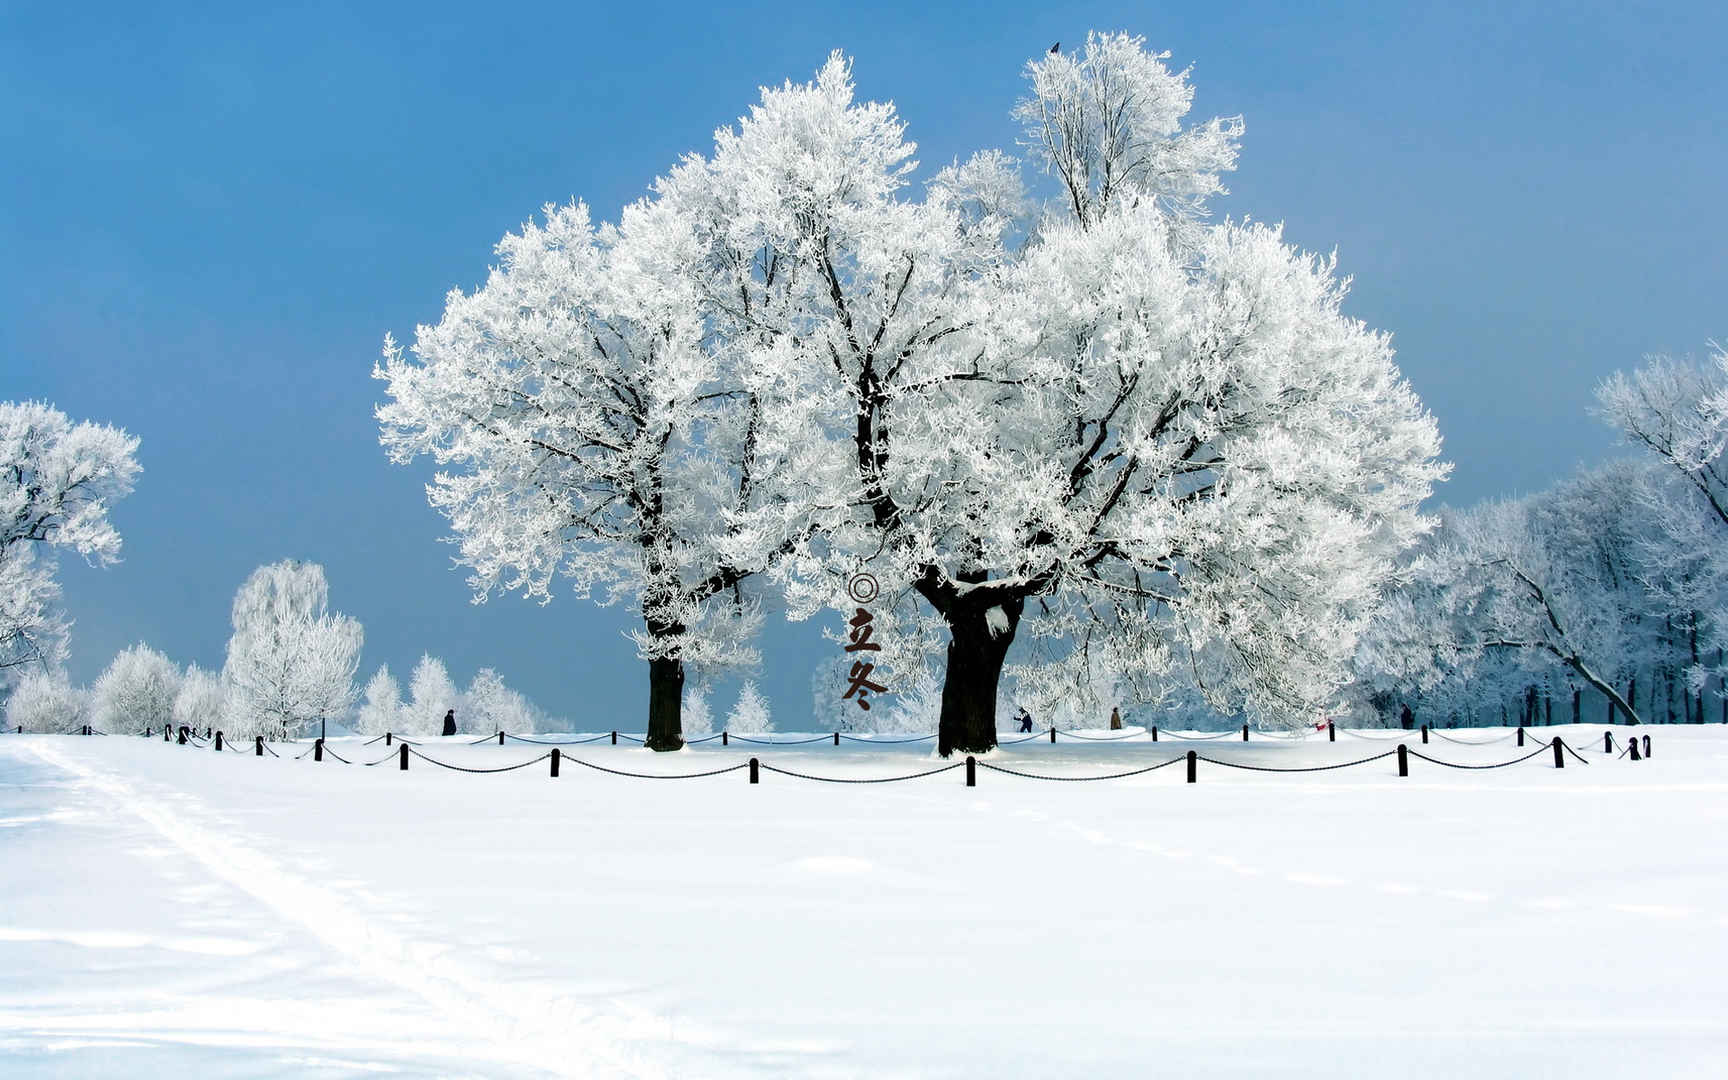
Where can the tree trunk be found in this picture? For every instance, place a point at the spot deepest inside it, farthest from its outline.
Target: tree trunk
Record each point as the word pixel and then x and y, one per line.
pixel 665 704
pixel 1576 695
pixel 975 656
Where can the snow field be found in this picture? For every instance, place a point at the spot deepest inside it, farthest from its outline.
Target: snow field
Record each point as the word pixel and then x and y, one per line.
pixel 161 907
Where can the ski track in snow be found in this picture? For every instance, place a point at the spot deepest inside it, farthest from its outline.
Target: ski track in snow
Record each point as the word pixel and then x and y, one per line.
pixel 562 1036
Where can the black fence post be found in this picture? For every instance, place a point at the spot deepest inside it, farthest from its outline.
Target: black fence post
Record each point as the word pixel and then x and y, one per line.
pixel 755 778
pixel 836 738
pixel 971 771
pixel 1633 744
pixel 1154 732
pixel 318 750
pixel 500 738
pixel 614 738
pixel 166 737
pixel 1607 742
pixel 182 737
pixel 404 757
pixel 1331 731
pixel 218 740
pixel 1424 734
pixel 1052 733
pixel 149 733
pixel 555 756
pixel 1403 760
pixel 1244 732
pixel 725 738
pixel 1646 746
pixel 1559 754
pixel 257 746
pixel 1193 767
pixel 387 739
pixel 1520 734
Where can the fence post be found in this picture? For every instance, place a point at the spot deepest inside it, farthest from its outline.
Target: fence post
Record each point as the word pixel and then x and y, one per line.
pixel 387 739
pixel 257 746
pixel 1424 734
pixel 182 739
pixel 971 771
pixel 1052 732
pixel 725 738
pixel 149 733
pixel 1633 743
pixel 1244 732
pixel 1559 754
pixel 500 738
pixel 218 740
pixel 1403 760
pixel 1331 731
pixel 754 777
pixel 614 738
pixel 555 756
pixel 836 738
pixel 318 750
pixel 1193 766
pixel 165 736
pixel 1607 742
pixel 1520 734
pixel 1154 732
pixel 1646 746
pixel 404 757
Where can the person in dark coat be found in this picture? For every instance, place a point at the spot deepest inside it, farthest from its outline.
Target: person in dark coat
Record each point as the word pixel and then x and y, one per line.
pixel 1406 719
pixel 1024 718
pixel 450 722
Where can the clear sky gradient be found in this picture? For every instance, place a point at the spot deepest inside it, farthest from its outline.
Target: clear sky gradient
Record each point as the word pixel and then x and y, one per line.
pixel 210 216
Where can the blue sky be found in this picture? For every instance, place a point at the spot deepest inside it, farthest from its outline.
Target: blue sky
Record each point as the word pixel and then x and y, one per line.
pixel 209 217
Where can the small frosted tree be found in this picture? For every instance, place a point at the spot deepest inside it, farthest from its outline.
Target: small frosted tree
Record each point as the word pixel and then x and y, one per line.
pixel 137 691
pixel 43 702
pixel 381 706
pixel 201 701
pixel 491 706
pixel 57 482
pixel 698 715
pixel 751 712
pixel 431 693
pixel 291 661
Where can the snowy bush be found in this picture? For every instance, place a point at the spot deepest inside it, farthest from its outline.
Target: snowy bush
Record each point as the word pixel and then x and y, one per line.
pixel 381 709
pixel 751 713
pixel 201 701
pixel 431 694
pixel 136 692
pixel 44 702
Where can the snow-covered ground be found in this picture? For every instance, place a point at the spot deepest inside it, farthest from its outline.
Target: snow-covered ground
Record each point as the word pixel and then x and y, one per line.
pixel 166 911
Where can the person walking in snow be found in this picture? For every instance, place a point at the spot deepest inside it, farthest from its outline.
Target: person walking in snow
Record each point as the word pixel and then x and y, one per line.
pixel 1024 718
pixel 1115 719
pixel 450 722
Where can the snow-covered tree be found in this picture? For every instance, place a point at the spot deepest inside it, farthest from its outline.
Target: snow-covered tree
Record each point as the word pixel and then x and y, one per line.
pixel 1543 578
pixel 751 712
pixel 43 702
pixel 491 706
pixel 587 428
pixel 1164 432
pixel 698 716
pixel 291 661
pixel 137 691
pixel 57 482
pixel 381 705
pixel 201 701
pixel 431 693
